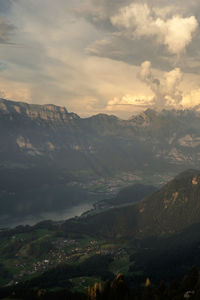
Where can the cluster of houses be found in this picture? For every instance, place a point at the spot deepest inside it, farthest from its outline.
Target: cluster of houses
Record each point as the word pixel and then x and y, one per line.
pixel 67 251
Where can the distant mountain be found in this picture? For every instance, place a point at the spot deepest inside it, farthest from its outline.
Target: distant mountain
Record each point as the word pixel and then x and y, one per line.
pixel 101 145
pixel 45 149
pixel 165 212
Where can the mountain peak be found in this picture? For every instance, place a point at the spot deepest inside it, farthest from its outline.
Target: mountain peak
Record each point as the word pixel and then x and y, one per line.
pixel 102 116
pixel 145 118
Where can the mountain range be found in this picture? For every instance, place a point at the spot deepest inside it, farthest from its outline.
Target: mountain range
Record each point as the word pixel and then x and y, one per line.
pixel 52 159
pixel 101 145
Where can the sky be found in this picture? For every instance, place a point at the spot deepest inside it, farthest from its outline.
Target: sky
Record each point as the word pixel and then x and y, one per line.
pixel 95 56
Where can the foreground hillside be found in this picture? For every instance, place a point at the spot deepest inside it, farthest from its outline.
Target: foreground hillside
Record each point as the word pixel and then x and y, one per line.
pixel 52 159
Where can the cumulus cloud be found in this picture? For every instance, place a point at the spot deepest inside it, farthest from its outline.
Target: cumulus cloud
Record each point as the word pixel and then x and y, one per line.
pixel 166 91
pixel 192 99
pixel 141 21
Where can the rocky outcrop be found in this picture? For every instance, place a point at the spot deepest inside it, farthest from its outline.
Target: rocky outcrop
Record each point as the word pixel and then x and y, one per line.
pixel 47 112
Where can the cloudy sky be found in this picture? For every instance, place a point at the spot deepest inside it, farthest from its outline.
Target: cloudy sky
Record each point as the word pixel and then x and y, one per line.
pixel 101 56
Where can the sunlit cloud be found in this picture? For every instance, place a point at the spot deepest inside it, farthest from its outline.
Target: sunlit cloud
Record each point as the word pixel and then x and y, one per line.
pixel 166 90
pixel 192 99
pixel 175 32
pixel 129 100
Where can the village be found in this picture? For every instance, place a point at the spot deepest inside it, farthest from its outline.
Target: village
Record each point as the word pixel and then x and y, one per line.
pixel 65 251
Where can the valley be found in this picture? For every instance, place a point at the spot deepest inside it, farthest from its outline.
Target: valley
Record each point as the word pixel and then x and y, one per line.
pixel 139 240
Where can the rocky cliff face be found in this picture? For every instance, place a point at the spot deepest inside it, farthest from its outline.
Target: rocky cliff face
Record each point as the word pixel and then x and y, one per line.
pixel 101 144
pixel 48 112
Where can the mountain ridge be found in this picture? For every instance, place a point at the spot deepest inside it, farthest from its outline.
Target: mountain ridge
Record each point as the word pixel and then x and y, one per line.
pixel 7 105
